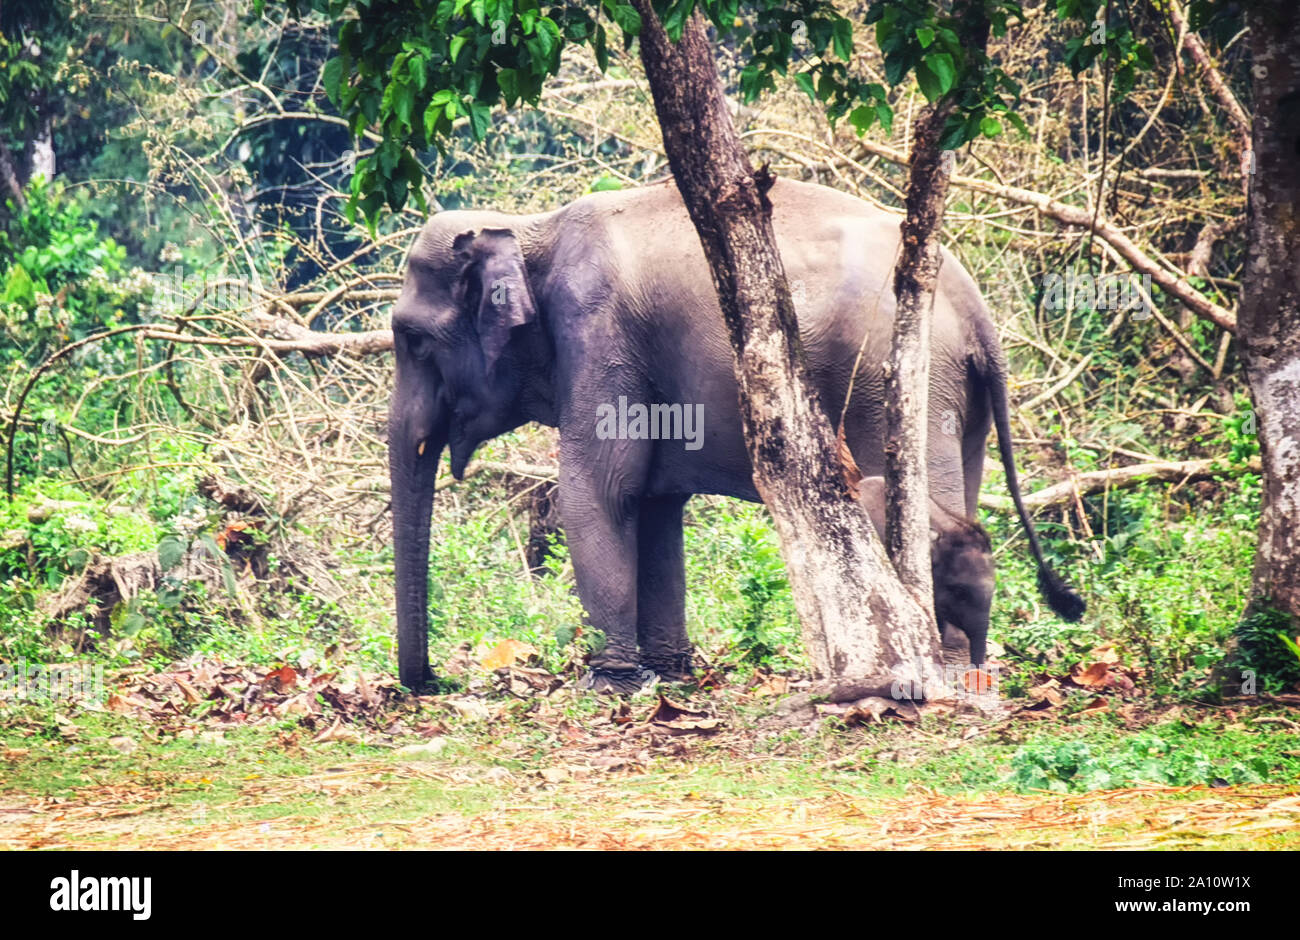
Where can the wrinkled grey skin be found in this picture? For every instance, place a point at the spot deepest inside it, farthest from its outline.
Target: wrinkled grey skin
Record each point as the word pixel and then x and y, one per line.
pixel 961 566
pixel 508 319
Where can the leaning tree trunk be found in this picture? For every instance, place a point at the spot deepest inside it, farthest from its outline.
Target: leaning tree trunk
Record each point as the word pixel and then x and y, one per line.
pixel 857 620
pixel 1269 319
pixel 907 378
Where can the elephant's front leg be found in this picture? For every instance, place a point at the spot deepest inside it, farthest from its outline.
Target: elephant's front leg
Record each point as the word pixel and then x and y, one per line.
pixel 661 588
pixel 600 514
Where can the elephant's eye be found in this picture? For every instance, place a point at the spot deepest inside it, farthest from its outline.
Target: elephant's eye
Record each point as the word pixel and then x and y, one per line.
pixel 419 345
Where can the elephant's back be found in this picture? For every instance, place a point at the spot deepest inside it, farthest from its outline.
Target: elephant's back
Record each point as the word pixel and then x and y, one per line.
pixel 838 252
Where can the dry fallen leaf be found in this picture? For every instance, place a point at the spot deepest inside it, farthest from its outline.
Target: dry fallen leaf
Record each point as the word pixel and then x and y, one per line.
pixel 1095 676
pixel 336 732
pixel 507 653
pixel 679 719
pixel 191 694
pixel 282 679
pixel 1049 692
pixel 772 685
pixel 1105 654
pixel 668 710
pixel 1096 706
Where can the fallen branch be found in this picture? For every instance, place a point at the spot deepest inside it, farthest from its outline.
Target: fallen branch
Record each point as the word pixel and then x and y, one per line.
pixel 1094 481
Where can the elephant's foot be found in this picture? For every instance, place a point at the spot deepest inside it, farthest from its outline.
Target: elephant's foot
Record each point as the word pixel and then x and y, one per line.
pixel 671 667
pixel 618 681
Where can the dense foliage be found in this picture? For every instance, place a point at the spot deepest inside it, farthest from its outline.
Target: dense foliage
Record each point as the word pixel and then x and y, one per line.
pixel 228 146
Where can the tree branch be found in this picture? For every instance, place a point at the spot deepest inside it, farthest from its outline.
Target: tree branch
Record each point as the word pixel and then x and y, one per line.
pixel 1176 285
pixel 1095 481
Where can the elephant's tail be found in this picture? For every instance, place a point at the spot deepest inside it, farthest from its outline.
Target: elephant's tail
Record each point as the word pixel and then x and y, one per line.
pixel 1059 595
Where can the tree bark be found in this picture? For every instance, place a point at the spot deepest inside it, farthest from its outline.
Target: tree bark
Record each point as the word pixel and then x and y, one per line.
pixel 1269 318
pixel 9 178
pixel 907 379
pixel 40 151
pixel 907 376
pixel 857 619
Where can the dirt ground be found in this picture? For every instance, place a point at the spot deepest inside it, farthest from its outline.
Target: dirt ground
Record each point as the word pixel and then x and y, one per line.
pixel 224 756
pixel 374 805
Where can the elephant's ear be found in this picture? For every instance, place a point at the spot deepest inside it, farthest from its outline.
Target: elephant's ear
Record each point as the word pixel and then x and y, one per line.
pixel 499 282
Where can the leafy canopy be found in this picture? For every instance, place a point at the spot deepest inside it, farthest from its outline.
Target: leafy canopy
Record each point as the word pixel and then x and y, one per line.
pixel 412 68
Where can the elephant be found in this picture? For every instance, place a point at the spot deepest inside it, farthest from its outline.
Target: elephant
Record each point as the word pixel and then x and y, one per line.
pixel 605 309
pixel 961 566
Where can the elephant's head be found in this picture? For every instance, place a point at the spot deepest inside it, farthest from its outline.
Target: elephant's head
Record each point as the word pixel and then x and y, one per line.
pixel 465 365
pixel 961 564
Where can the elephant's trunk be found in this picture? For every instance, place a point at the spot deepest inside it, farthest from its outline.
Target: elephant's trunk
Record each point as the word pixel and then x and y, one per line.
pixel 417 433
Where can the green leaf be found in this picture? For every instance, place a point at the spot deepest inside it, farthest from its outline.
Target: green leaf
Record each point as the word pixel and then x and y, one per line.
pixel 627 18
pixel 19 288
pixel 862 117
pixel 508 82
pixel 955 133
pixel 897 65
pixel 842 39
pixel 480 119
pixel 929 82
pixel 403 104
pixel 331 76
pixel 805 81
pixel 941 64
pixel 601 50
pixel 885 114
pixel 925 36
pixel 991 127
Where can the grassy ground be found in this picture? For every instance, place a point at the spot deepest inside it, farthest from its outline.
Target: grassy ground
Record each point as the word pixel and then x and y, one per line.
pixel 261 713
pixel 549 767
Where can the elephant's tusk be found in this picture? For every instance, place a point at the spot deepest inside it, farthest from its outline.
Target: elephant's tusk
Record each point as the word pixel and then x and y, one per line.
pixel 420 450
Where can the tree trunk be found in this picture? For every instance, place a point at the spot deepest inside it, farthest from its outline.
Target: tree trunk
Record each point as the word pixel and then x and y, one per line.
pixel 9 178
pixel 857 620
pixel 40 150
pixel 907 377
pixel 1269 319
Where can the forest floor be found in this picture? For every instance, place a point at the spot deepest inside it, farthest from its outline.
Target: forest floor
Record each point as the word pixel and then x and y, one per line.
pixel 219 755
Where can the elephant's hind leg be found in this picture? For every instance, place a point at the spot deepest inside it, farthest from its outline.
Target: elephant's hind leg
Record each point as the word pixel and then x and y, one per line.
pixel 661 588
